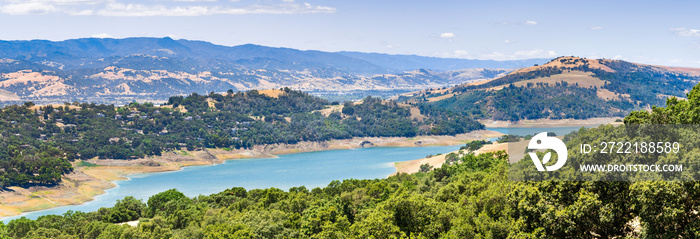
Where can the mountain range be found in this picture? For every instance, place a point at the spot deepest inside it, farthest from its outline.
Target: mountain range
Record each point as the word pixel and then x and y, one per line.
pixel 107 70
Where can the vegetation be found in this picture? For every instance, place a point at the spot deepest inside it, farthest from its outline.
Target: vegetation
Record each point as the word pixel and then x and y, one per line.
pixel 38 143
pixel 473 199
pixel 469 198
pixel 559 101
pixel 475 145
pixel 632 87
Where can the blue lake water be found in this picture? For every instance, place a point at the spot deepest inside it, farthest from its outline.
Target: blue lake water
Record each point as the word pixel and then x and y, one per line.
pixel 314 169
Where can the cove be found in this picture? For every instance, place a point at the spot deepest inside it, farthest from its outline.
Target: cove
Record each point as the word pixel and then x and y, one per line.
pixel 313 169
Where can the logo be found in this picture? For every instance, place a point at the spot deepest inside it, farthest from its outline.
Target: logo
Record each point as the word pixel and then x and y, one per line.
pixel 541 141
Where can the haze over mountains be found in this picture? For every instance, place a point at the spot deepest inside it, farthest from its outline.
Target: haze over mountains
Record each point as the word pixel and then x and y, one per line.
pixel 121 70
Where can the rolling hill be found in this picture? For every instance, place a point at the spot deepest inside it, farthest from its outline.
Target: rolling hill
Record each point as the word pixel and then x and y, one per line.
pixel 565 87
pixel 122 70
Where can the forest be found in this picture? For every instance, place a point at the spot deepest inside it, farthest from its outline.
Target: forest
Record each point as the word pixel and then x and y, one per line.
pixel 39 142
pixel 538 101
pixel 642 86
pixel 472 197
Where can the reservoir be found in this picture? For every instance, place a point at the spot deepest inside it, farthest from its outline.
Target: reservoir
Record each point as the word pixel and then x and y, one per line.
pixel 313 169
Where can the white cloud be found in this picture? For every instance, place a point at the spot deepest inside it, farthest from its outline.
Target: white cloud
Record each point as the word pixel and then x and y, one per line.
pixel 27 8
pixel 461 53
pixel 287 0
pixel 86 12
pixel 528 23
pixel 506 41
pixel 139 10
pixel 289 8
pixel 111 8
pixel 682 31
pixel 60 2
pixel 595 28
pixel 519 55
pixel 102 35
pixel 447 35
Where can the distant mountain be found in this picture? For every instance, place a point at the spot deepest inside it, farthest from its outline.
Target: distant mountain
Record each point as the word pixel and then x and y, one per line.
pixel 566 87
pixel 411 62
pixel 121 70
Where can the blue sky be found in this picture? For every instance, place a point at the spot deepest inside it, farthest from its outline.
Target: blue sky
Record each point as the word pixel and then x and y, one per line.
pixel 652 32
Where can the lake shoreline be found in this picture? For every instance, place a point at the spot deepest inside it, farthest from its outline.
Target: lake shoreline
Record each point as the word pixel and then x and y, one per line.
pixel 93 177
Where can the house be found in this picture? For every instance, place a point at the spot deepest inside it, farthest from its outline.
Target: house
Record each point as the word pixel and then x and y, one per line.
pixel 188 118
pixel 118 117
pixel 100 115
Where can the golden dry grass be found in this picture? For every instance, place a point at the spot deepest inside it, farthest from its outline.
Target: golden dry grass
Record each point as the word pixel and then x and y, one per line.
pixel 683 70
pixel 271 93
pixel 330 109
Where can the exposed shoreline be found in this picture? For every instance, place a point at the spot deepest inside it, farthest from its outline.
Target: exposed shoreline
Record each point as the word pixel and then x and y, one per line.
pixel 436 161
pixel 92 177
pixel 413 166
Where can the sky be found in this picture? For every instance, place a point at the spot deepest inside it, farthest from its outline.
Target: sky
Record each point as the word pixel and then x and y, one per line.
pixel 651 32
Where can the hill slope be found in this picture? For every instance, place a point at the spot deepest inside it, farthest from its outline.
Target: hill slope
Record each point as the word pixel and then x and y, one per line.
pixel 566 87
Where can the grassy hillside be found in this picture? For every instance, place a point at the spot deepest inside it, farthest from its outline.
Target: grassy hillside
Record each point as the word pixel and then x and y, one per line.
pixel 566 87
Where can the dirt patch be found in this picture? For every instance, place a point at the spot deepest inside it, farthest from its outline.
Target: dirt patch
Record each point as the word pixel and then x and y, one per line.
pixel 271 93
pixel 330 109
pixel 436 161
pixel 413 166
